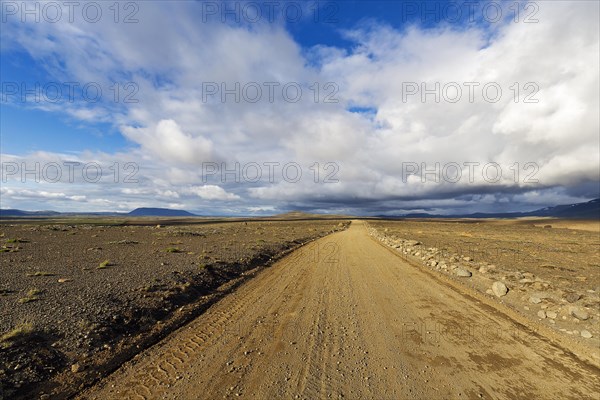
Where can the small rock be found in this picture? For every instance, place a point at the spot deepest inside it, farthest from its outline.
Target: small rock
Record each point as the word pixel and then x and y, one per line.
pixel 499 289
pixel 551 314
pixel 572 297
pixel 467 259
pixel 535 299
pixel 537 286
pixel 463 273
pixel 63 280
pixel 483 270
pixel 75 368
pixel 541 314
pixel 412 243
pixel 579 313
pixel 586 334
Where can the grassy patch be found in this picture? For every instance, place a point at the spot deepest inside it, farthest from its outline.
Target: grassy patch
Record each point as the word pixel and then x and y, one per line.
pixel 11 249
pixel 124 242
pixel 87 326
pixel 18 240
pixel 41 273
pixel 104 264
pixel 32 295
pixel 20 332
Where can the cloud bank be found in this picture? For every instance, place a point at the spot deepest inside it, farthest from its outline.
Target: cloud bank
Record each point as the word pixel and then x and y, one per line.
pixel 457 118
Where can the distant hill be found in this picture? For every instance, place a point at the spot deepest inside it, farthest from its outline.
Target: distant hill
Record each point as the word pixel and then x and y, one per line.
pixel 138 212
pixel 303 215
pixel 159 212
pixel 295 215
pixel 587 210
pixel 10 212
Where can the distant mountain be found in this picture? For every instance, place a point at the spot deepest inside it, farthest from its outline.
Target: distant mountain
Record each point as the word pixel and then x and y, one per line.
pixel 20 213
pixel 138 212
pixel 159 212
pixel 301 215
pixel 587 210
pixel 590 210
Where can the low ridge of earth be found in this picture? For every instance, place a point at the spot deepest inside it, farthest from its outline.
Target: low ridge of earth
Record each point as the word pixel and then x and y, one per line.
pixel 351 318
pixel 76 300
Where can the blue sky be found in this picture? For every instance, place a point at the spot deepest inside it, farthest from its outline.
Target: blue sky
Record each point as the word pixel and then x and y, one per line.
pixel 401 106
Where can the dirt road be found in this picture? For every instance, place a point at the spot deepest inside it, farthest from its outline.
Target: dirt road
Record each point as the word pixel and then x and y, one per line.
pixel 346 318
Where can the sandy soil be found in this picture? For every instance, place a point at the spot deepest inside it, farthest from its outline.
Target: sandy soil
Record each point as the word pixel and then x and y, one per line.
pixel 582 225
pixel 349 318
pixel 552 274
pixel 91 296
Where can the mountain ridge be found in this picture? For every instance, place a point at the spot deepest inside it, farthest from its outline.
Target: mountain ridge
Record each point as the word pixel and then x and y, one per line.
pixel 585 210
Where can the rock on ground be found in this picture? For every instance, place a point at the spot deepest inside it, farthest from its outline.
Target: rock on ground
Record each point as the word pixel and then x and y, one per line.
pixel 586 334
pixel 572 297
pixel 579 313
pixel 499 289
pixel 463 272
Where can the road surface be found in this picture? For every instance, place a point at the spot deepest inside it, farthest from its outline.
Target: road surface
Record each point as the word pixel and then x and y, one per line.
pixel 344 317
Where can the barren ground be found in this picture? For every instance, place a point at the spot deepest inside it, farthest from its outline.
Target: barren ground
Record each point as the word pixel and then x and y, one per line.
pixel 350 318
pixel 91 296
pixel 553 274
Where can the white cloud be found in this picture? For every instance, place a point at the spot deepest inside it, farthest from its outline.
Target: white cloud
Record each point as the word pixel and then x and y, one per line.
pixel 175 131
pixel 168 142
pixel 212 192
